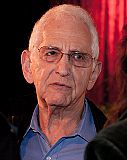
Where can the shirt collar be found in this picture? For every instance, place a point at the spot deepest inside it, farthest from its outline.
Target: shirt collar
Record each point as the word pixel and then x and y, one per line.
pixel 34 124
pixel 34 121
pixel 86 128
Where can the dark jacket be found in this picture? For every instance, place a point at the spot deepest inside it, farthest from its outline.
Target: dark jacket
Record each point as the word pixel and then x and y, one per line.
pixel 110 143
pixel 98 116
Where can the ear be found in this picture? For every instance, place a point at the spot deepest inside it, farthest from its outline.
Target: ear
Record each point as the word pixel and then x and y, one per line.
pixel 25 62
pixel 94 75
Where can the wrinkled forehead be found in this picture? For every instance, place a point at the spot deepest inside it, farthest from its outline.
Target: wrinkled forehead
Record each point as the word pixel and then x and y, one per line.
pixel 65 25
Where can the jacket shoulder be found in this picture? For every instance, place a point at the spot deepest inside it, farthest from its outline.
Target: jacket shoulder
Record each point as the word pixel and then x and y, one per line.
pixel 98 116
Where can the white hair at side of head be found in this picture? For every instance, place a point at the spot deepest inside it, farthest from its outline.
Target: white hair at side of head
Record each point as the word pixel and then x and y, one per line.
pixel 74 11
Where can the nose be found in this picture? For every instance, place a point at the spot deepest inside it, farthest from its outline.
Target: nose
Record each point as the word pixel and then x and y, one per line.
pixel 63 67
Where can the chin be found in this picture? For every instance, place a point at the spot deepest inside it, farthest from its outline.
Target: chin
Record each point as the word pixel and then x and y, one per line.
pixel 55 101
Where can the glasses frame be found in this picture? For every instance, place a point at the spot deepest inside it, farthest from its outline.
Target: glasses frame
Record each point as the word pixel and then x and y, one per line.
pixel 69 54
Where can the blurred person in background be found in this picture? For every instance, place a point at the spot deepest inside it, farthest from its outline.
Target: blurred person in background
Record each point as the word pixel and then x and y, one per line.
pixel 8 140
pixel 111 142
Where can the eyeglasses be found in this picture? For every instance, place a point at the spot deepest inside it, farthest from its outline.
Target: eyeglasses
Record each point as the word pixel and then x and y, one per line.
pixel 76 58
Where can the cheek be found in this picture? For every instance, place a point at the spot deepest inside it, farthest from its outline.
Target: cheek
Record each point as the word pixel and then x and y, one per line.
pixel 81 81
pixel 40 75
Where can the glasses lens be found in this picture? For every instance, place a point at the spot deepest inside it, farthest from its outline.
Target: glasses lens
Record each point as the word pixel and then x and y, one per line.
pixel 81 59
pixel 49 54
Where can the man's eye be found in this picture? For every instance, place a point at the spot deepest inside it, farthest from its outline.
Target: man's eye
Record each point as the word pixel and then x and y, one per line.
pixel 78 56
pixel 51 53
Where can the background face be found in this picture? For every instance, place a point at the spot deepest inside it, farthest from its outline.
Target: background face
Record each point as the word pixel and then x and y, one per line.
pixel 62 84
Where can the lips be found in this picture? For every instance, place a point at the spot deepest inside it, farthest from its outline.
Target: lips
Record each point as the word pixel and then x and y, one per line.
pixel 60 85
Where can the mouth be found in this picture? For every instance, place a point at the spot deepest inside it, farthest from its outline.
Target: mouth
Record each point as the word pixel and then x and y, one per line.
pixel 62 86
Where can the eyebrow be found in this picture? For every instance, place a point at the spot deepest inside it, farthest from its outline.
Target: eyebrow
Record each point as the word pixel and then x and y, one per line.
pixel 54 47
pixel 58 49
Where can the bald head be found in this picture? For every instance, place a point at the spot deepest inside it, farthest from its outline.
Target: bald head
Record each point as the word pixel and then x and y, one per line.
pixel 76 13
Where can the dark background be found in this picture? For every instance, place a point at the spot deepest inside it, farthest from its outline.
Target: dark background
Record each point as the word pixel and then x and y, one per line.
pixel 17 20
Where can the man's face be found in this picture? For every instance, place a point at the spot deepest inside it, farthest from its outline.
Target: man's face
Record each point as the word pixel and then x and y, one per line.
pixel 61 83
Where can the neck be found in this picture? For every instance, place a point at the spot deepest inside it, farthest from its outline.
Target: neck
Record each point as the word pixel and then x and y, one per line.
pixel 54 121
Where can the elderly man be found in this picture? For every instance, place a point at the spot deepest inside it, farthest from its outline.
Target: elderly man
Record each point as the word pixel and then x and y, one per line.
pixel 61 62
